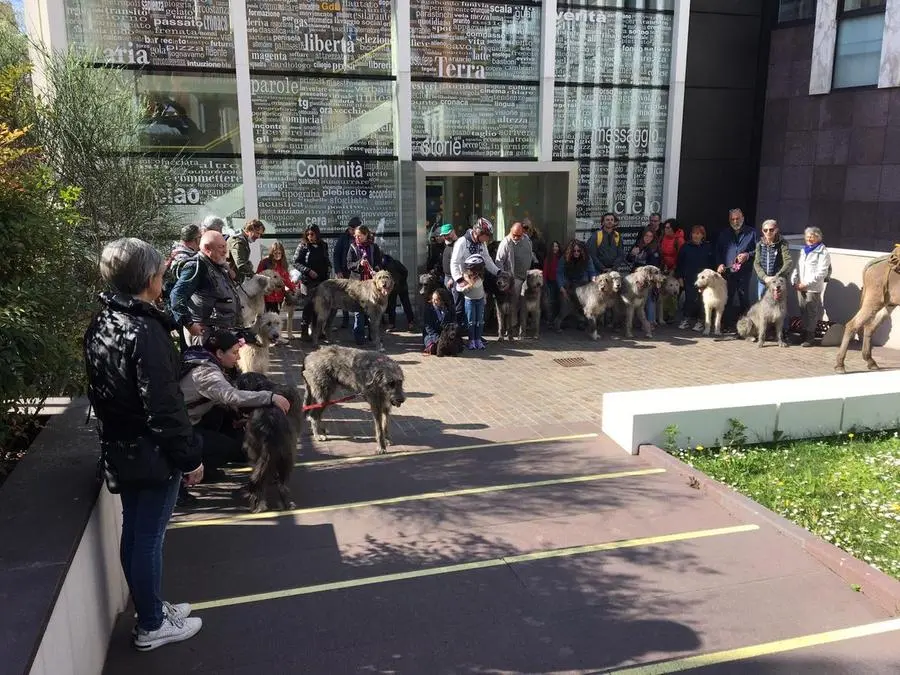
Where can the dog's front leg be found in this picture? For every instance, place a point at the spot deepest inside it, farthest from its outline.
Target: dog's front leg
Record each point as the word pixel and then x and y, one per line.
pixel 380 440
pixel 779 333
pixel 629 319
pixel 537 322
pixel 719 313
pixel 763 329
pixel 375 322
pixel 707 315
pixel 645 322
pixel 523 318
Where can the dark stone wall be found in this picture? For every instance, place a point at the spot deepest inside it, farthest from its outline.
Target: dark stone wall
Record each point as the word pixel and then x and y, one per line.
pixel 723 107
pixel 831 160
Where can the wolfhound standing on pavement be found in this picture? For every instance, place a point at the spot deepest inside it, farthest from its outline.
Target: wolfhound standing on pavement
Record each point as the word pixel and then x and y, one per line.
pixel 375 377
pixel 351 294
pixel 253 357
pixel 598 296
pixel 714 293
pixel 636 289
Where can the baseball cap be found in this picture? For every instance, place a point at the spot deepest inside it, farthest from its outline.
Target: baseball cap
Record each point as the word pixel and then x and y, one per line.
pixel 446 229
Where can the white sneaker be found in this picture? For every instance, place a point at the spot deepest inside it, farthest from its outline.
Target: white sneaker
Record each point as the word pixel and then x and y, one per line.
pixel 685 324
pixel 180 611
pixel 699 326
pixel 171 630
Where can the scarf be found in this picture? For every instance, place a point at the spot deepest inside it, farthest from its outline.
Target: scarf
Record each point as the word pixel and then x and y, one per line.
pixel 473 244
pixel 809 249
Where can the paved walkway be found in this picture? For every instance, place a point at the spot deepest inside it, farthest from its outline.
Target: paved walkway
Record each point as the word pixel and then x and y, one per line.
pixel 506 535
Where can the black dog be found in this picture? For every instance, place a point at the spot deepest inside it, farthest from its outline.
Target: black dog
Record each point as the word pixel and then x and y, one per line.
pixel 450 343
pixel 429 282
pixel 270 441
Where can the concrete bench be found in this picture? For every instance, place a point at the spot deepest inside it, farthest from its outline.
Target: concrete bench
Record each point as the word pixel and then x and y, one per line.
pixel 796 408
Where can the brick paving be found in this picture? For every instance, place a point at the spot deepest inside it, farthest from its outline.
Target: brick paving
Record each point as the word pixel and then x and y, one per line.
pixel 519 384
pixel 461 559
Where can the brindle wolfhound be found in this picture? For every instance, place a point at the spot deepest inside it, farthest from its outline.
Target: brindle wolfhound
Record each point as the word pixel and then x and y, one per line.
pixel 370 296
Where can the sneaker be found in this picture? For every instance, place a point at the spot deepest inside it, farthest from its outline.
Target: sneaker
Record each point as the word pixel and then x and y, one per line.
pixel 180 611
pixel 479 344
pixel 472 345
pixel 685 324
pixel 699 326
pixel 171 630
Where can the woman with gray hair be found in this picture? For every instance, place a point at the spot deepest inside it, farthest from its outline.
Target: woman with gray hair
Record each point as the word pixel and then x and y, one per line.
pixel 809 278
pixel 147 443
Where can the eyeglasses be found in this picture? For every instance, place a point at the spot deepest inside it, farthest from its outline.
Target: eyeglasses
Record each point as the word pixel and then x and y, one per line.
pixel 769 229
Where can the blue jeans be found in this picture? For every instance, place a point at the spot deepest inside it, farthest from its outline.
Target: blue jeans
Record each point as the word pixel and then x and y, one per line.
pixel 359 327
pixel 145 514
pixel 475 318
pixel 651 306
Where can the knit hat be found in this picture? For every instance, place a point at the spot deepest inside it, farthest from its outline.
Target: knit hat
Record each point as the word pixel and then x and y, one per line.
pixel 220 339
pixel 445 230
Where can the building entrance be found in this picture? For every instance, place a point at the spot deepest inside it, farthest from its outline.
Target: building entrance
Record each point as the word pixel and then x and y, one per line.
pixel 543 193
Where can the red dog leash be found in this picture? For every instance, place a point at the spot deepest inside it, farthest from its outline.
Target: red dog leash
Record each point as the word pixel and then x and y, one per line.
pixel 317 406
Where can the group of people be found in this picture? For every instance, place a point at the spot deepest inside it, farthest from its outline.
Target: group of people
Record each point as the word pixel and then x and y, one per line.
pixel 738 252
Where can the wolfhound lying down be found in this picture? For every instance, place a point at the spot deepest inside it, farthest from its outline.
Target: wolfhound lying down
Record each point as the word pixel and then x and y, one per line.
pixel 714 293
pixel 375 377
pixel 352 295
pixel 769 310
pixel 253 357
pixel 270 441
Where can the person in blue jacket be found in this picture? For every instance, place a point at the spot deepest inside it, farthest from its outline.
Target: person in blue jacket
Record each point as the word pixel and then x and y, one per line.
pixel 694 257
pixel 438 313
pixel 575 269
pixel 734 253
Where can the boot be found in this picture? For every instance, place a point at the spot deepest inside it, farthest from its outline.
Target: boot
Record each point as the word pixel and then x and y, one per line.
pixel 807 339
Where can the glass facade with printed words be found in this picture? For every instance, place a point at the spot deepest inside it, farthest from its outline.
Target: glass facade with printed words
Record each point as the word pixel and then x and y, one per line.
pixel 319 104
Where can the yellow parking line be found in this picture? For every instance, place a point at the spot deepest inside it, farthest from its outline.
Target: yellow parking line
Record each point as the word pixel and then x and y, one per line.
pixel 430 451
pixel 764 649
pixel 469 566
pixel 231 520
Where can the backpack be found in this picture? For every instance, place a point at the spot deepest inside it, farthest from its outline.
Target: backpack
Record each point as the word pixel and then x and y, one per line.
pixel 616 237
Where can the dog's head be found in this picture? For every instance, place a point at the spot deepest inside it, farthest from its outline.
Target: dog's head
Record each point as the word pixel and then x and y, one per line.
pixel 615 281
pixel 384 282
pixel 274 282
pixel 268 328
pixel 387 375
pixel 534 279
pixel 643 278
pixel 254 382
pixel 427 283
pixel 258 285
pixel 295 298
pixel 504 281
pixel 451 331
pixel 704 278
pixel 604 283
pixel 776 286
pixel 671 287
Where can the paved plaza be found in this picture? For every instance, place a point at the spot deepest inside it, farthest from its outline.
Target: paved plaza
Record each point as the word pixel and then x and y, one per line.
pixel 505 534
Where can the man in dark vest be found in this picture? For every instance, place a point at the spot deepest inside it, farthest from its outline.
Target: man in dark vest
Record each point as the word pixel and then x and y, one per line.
pixel 204 297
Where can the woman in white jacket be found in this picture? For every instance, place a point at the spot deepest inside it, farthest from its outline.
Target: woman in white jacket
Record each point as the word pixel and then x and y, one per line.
pixel 809 278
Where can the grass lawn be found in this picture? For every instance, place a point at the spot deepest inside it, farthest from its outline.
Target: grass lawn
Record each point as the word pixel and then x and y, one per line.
pixel 845 489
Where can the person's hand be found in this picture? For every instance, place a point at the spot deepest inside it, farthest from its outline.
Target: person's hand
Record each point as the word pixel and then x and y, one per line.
pixel 801 287
pixel 742 257
pixel 312 274
pixel 720 269
pixel 232 274
pixel 195 329
pixel 193 477
pixel 635 250
pixel 282 403
pixel 338 275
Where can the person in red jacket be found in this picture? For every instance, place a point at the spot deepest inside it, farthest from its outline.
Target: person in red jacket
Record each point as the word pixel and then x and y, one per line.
pixel 276 261
pixel 551 296
pixel 670 244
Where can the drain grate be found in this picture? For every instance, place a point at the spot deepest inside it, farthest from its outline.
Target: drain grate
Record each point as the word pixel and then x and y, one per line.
pixel 576 362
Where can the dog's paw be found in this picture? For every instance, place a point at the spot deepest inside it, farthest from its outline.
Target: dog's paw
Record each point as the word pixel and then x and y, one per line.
pixel 321 437
pixel 782 344
pixel 381 451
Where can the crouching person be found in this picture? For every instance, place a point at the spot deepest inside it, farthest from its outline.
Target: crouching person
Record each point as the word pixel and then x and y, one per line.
pixel 438 315
pixel 214 404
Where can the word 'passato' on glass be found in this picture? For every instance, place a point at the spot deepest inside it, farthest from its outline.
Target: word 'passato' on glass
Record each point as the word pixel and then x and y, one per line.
pixel 320 37
pixel 595 122
pixel 475 40
pixel 296 193
pixel 313 115
pixel 613 47
pixel 172 33
pixel 456 119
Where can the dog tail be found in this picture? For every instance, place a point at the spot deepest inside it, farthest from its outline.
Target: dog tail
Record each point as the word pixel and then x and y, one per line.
pixel 744 327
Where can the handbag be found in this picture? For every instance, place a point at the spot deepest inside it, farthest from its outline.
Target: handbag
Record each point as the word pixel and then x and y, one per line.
pixel 137 462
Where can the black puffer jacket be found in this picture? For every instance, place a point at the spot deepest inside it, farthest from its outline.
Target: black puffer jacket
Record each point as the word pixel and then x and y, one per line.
pixel 133 369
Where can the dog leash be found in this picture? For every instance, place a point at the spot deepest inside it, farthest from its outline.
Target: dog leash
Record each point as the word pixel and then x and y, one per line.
pixel 318 406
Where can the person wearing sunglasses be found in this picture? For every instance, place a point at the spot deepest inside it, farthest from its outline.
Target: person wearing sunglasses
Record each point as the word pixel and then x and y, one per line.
pixel 773 256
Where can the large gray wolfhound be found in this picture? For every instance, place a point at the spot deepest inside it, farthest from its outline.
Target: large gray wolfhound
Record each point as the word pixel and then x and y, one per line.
pixel 636 288
pixel 375 377
pixel 598 296
pixel 770 310
pixel 352 295
pixel 270 441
